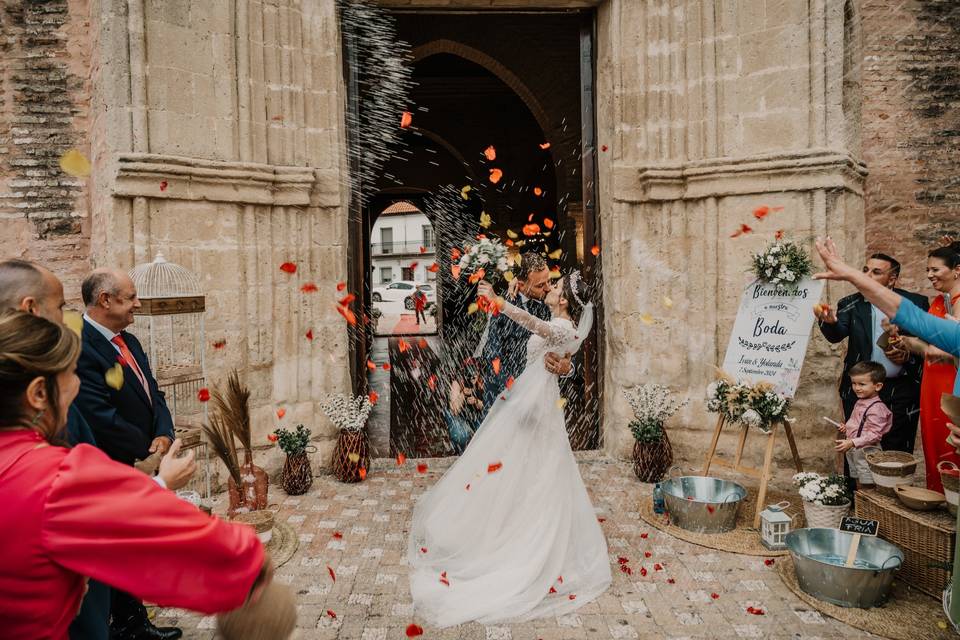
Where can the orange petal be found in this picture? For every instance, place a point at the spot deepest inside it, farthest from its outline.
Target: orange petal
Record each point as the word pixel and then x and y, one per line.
pixel 401 459
pixel 341 286
pixel 363 473
pixel 537 191
pixel 347 299
pixel 347 314
pixel 422 343
pixel 509 382
pixel 494 467
pixel 496 365
pixel 402 345
pixel 495 175
pixel 309 334
pixel 490 153
pixel 545 145
pixel 373 396
pixel 548 223
pixel 433 268
pixel 406 120
pixel 595 250
pixel 281 412
pixel 455 270
pixel 371 366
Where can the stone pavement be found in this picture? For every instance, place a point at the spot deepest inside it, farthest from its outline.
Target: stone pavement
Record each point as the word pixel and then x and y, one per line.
pixel 698 593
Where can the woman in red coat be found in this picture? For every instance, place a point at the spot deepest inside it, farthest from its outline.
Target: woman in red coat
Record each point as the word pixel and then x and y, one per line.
pixel 72 514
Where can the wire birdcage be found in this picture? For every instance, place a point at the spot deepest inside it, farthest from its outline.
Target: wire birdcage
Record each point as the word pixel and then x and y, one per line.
pixel 170 325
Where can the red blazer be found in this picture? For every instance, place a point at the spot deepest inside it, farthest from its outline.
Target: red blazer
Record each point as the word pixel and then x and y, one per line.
pixel 71 513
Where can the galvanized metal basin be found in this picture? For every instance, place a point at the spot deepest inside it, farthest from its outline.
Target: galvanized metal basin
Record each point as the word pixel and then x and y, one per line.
pixel 819 556
pixel 703 504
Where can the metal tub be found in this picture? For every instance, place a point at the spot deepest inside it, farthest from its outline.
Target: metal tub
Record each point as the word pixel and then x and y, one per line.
pixel 703 504
pixel 819 556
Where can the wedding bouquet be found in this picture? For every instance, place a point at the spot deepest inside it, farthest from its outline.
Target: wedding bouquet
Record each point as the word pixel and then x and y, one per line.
pixel 827 491
pixel 347 412
pixel 759 405
pixel 782 263
pixel 487 259
pixel 652 404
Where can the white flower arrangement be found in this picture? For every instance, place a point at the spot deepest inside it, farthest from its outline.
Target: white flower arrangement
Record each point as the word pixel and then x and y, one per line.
pixel 828 491
pixel 652 404
pixel 347 412
pixel 782 263
pixel 487 254
pixel 758 405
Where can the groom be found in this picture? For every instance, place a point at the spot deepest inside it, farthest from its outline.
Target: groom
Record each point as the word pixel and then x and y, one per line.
pixel 507 340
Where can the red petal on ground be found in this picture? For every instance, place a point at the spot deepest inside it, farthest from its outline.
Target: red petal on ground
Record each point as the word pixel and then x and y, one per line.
pixel 601 520
pixel 414 631
pixel 288 267
pixel 455 270
pixel 337 535
pixel 281 412
pixel 779 234
pixel 333 576
pixel 560 579
pixel 761 212
pixel 468 487
pixel 643 571
pixel 309 334
pixel 548 223
pixel 715 596
pixel 371 365
pixel 386 366
pixel 219 344
pixel 603 148
pixel 552 590
pixel 423 549
pixel 423 249
pixel 422 343
pixel 671 581
pixel 644 536
pixel 622 560
pixel 444 581
pixel 537 191
pixel 272 437
pixel 531 229
pixel 163 185
pixel 309 288
pixel 455 254
pixel 331 614
pixel 769 562
pixel 422 467
pixel 432 382
pixel 572 596
pixel 347 299
pixel 658 567
pixel 401 459
pixel 711 509
pixel 493 467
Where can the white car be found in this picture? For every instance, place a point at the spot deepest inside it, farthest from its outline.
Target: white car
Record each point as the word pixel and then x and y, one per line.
pixel 403 290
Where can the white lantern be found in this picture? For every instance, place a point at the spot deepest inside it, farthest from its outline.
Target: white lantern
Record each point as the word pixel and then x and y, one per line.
pixel 774 526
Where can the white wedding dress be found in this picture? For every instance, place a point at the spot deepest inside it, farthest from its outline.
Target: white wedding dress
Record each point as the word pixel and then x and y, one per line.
pixel 508 533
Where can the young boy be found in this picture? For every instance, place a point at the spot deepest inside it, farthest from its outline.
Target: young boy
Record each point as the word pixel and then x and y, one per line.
pixel 869 420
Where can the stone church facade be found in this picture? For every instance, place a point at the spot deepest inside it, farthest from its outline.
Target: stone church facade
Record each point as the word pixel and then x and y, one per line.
pixel 217 134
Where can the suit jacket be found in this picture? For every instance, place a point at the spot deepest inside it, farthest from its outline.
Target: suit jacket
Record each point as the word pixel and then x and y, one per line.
pixel 124 421
pixel 78 431
pixel 855 321
pixel 507 340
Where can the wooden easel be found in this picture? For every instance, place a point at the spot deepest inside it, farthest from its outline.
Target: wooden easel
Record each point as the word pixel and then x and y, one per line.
pixel 765 473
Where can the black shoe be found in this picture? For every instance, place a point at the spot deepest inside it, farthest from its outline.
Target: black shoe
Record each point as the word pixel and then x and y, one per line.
pixel 145 630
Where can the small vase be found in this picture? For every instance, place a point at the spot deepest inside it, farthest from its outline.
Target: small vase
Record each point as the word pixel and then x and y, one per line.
pixel 351 456
pixel 824 516
pixel 652 459
pixel 252 494
pixel 297 476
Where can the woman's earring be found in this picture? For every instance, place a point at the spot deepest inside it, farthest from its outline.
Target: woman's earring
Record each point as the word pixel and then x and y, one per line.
pixel 36 418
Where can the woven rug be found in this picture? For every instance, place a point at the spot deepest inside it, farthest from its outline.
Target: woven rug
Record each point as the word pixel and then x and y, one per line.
pixel 283 544
pixel 743 539
pixel 907 615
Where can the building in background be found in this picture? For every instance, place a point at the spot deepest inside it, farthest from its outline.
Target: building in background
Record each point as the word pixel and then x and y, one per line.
pixel 402 246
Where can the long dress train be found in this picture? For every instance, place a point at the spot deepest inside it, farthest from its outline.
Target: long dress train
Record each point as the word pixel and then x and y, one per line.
pixel 509 532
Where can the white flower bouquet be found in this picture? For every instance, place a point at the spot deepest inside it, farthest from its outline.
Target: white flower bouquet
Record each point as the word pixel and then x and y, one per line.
pixel 347 412
pixel 826 491
pixel 652 404
pixel 758 405
pixel 782 263
pixel 485 260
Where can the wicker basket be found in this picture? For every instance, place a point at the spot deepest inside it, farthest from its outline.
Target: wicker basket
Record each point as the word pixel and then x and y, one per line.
pixel 351 456
pixel 925 537
pixel 652 459
pixel 890 468
pixel 824 516
pixel 261 521
pixel 950 478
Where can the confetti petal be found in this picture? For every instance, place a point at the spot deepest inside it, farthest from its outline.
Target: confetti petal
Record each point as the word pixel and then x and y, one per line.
pixel 281 412
pixel 603 148
pixel 337 535
pixel 341 286
pixel 163 185
pixel 433 268
pixel 347 314
pixel 114 377
pixel 333 576
pixel 219 344
pixel 490 153
pixel 414 631
pixel 373 396
pixel 288 267
pixel 74 163
pixel 362 472
pixel 203 395
pixel 331 614
pixel 402 345
pixel 401 459
pixel 531 229
pixel 595 250
pixel 406 119
pixel 495 175
pixel 509 383
pixel 309 334
pixel 555 255
pixel 494 467
pixel 353 457
pixel 561 403
pixel 667 302
pixel 309 288
pixel 485 220
pixel 545 145
pixel 455 270
pixel 465 191
pixel 646 318
pixel 496 365
pixel 371 366
pixel 537 191
pixel 422 467
pixel 272 437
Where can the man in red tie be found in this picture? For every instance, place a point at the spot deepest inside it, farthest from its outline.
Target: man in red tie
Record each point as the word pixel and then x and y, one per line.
pixel 126 411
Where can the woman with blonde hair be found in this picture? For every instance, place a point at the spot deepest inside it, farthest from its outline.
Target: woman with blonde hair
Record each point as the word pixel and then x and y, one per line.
pixel 67 512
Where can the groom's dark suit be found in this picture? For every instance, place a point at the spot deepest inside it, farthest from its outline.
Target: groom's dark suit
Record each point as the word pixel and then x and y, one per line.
pixel 507 340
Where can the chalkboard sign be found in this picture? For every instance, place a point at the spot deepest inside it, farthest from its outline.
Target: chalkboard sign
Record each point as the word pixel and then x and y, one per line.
pixel 862 526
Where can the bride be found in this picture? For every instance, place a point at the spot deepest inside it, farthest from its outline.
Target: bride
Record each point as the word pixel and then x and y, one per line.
pixel 508 533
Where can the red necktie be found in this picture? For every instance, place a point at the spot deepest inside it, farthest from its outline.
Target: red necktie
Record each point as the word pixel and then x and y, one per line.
pixel 130 361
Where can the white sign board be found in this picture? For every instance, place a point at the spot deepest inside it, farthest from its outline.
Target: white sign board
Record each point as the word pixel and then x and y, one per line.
pixel 770 335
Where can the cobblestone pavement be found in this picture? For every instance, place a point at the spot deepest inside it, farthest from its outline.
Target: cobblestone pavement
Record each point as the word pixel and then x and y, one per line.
pixel 698 593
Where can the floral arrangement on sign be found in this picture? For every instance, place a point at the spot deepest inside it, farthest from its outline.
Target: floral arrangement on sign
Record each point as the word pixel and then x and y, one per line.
pixel 652 404
pixel 759 405
pixel 782 263
pixel 827 491
pixel 347 412
pixel 293 442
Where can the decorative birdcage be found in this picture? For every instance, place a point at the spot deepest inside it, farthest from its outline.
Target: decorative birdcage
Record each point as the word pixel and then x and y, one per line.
pixel 170 326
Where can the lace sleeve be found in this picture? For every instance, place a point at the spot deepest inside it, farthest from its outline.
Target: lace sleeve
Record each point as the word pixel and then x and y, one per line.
pixel 553 334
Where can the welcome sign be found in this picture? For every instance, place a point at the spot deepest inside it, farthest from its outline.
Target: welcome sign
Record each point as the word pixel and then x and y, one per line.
pixel 771 332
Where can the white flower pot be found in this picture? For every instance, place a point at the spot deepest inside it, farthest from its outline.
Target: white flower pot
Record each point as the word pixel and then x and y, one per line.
pixel 821 516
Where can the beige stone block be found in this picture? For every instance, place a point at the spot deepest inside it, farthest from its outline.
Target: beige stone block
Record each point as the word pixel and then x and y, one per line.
pixel 751 16
pixel 775 131
pixel 780 12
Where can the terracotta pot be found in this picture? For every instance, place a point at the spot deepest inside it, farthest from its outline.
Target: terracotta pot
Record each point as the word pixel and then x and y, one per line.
pixel 350 455
pixel 297 476
pixel 252 494
pixel 651 460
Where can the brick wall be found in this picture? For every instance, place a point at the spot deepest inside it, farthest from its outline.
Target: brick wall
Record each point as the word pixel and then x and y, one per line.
pixel 43 111
pixel 911 128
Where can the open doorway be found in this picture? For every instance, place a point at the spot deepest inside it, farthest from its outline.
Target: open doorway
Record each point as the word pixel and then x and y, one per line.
pixel 517 87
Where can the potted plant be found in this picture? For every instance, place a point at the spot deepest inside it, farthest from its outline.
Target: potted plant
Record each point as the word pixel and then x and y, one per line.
pixel 826 499
pixel 351 455
pixel 230 421
pixel 297 477
pixel 652 404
